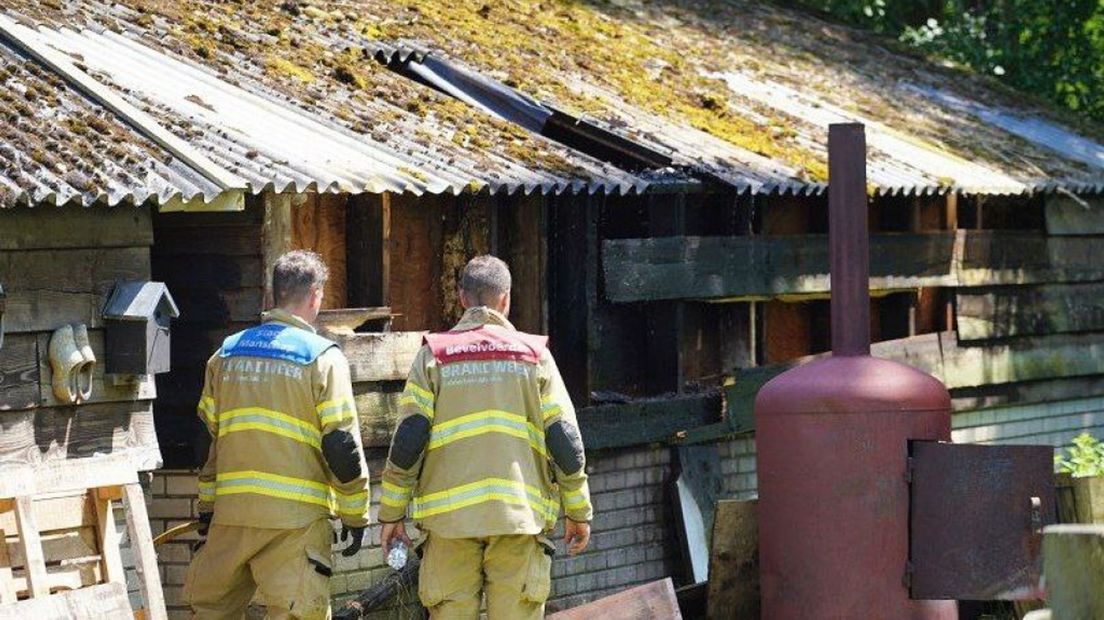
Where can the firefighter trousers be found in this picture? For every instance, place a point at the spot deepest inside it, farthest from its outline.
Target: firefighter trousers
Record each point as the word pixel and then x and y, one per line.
pixel 289 569
pixel 515 573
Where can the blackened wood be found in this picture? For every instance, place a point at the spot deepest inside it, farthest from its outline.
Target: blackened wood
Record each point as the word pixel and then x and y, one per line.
pixel 211 271
pixel 666 319
pixel 764 267
pixel 1018 311
pixel 380 593
pixel 377 404
pixel 1074 215
pixel 995 257
pixel 1048 390
pixel 646 421
pixel 734 561
pixel 19 375
pixel 571 251
pixel 368 247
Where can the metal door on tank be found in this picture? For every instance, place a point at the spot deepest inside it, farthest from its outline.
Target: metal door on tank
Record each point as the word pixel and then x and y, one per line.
pixel 976 516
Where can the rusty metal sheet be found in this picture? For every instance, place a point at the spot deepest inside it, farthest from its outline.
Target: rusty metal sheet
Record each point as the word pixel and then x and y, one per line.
pixel 976 520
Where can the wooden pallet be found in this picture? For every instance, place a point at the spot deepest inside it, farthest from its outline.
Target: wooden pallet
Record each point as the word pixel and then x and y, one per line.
pixel 61 556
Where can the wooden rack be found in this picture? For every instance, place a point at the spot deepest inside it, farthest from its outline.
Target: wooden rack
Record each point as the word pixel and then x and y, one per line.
pixel 61 557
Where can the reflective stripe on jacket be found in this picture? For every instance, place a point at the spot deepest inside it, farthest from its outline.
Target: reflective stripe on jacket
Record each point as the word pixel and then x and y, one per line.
pixel 485 469
pixel 271 394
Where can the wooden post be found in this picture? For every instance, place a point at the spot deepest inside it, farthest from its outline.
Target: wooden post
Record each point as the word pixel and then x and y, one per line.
pixel 666 319
pixel 1073 559
pixel 368 247
pixel 32 546
pixel 107 535
pixel 275 236
pixel 145 558
pixel 734 561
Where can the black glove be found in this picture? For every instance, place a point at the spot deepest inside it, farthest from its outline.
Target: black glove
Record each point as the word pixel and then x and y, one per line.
pixel 354 545
pixel 204 526
pixel 204 523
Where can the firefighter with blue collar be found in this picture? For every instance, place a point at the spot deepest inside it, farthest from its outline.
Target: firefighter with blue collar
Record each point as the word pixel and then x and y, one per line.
pixel 486 453
pixel 285 457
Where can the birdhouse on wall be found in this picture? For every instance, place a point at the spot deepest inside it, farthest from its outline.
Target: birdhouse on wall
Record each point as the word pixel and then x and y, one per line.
pixel 137 318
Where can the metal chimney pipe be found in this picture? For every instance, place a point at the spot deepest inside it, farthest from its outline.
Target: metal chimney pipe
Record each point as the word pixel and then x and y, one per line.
pixel 848 239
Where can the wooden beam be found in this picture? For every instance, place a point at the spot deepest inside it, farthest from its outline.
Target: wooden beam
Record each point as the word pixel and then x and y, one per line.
pixel 646 421
pixel 73 270
pixel 47 435
pixel 145 558
pixel 75 227
pixel 19 374
pixel 573 270
pixel 368 248
pixel 108 600
pixel 734 561
pixel 318 225
pixel 1074 215
pixel 31 546
pixel 377 406
pixel 108 538
pixel 993 258
pixel 958 366
pixel 1043 391
pixel 70 475
pixel 1073 561
pixel 61 511
pixel 763 267
pixel 737 268
pixel 652 601
pixel 666 320
pixel 1004 312
pixel 379 357
pixel 275 235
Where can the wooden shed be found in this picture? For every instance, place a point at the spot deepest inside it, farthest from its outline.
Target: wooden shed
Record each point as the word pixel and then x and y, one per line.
pixel 653 173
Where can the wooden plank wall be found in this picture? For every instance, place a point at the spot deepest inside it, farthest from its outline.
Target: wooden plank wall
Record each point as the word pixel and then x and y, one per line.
pixel 1001 297
pixel 58 265
pixel 213 264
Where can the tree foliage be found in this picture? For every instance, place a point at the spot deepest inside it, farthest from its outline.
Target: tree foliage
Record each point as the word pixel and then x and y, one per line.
pixel 1052 48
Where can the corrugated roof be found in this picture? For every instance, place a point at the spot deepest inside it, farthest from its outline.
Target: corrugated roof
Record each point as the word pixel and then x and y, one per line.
pixel 743 90
pixel 738 91
pixel 302 139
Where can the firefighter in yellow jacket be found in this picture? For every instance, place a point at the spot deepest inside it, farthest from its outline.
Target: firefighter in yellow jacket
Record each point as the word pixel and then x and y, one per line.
pixel 285 456
pixel 486 451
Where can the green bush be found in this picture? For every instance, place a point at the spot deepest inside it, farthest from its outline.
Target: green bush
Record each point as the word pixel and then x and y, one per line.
pixel 1054 49
pixel 1086 457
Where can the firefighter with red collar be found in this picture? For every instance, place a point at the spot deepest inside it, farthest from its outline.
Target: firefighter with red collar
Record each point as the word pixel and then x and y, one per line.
pixel 285 456
pixel 486 452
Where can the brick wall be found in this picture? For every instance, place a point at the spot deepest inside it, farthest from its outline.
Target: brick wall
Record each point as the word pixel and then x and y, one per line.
pixel 633 540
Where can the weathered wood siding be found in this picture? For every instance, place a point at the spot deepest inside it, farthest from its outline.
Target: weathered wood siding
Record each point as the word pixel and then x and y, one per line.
pixel 58 265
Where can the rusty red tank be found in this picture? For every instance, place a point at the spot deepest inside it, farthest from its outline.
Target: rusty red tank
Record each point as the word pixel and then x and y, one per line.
pixel 832 440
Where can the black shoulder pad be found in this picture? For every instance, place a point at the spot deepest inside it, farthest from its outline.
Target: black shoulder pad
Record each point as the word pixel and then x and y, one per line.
pixel 565 446
pixel 340 450
pixel 410 441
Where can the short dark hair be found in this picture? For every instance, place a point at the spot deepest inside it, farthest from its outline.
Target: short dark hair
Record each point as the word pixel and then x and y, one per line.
pixel 295 274
pixel 485 278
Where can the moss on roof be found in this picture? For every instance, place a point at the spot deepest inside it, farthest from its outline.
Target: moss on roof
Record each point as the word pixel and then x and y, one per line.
pixel 602 59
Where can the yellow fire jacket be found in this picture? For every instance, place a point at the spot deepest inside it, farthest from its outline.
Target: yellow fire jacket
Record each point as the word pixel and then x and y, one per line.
pixel 285 442
pixel 487 443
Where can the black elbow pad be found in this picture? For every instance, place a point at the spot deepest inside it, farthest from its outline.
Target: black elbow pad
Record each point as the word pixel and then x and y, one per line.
pixel 565 446
pixel 341 453
pixel 410 441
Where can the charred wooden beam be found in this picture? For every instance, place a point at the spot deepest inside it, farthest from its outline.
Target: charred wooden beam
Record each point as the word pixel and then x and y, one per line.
pixel 1029 310
pixel 738 268
pixel 647 421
